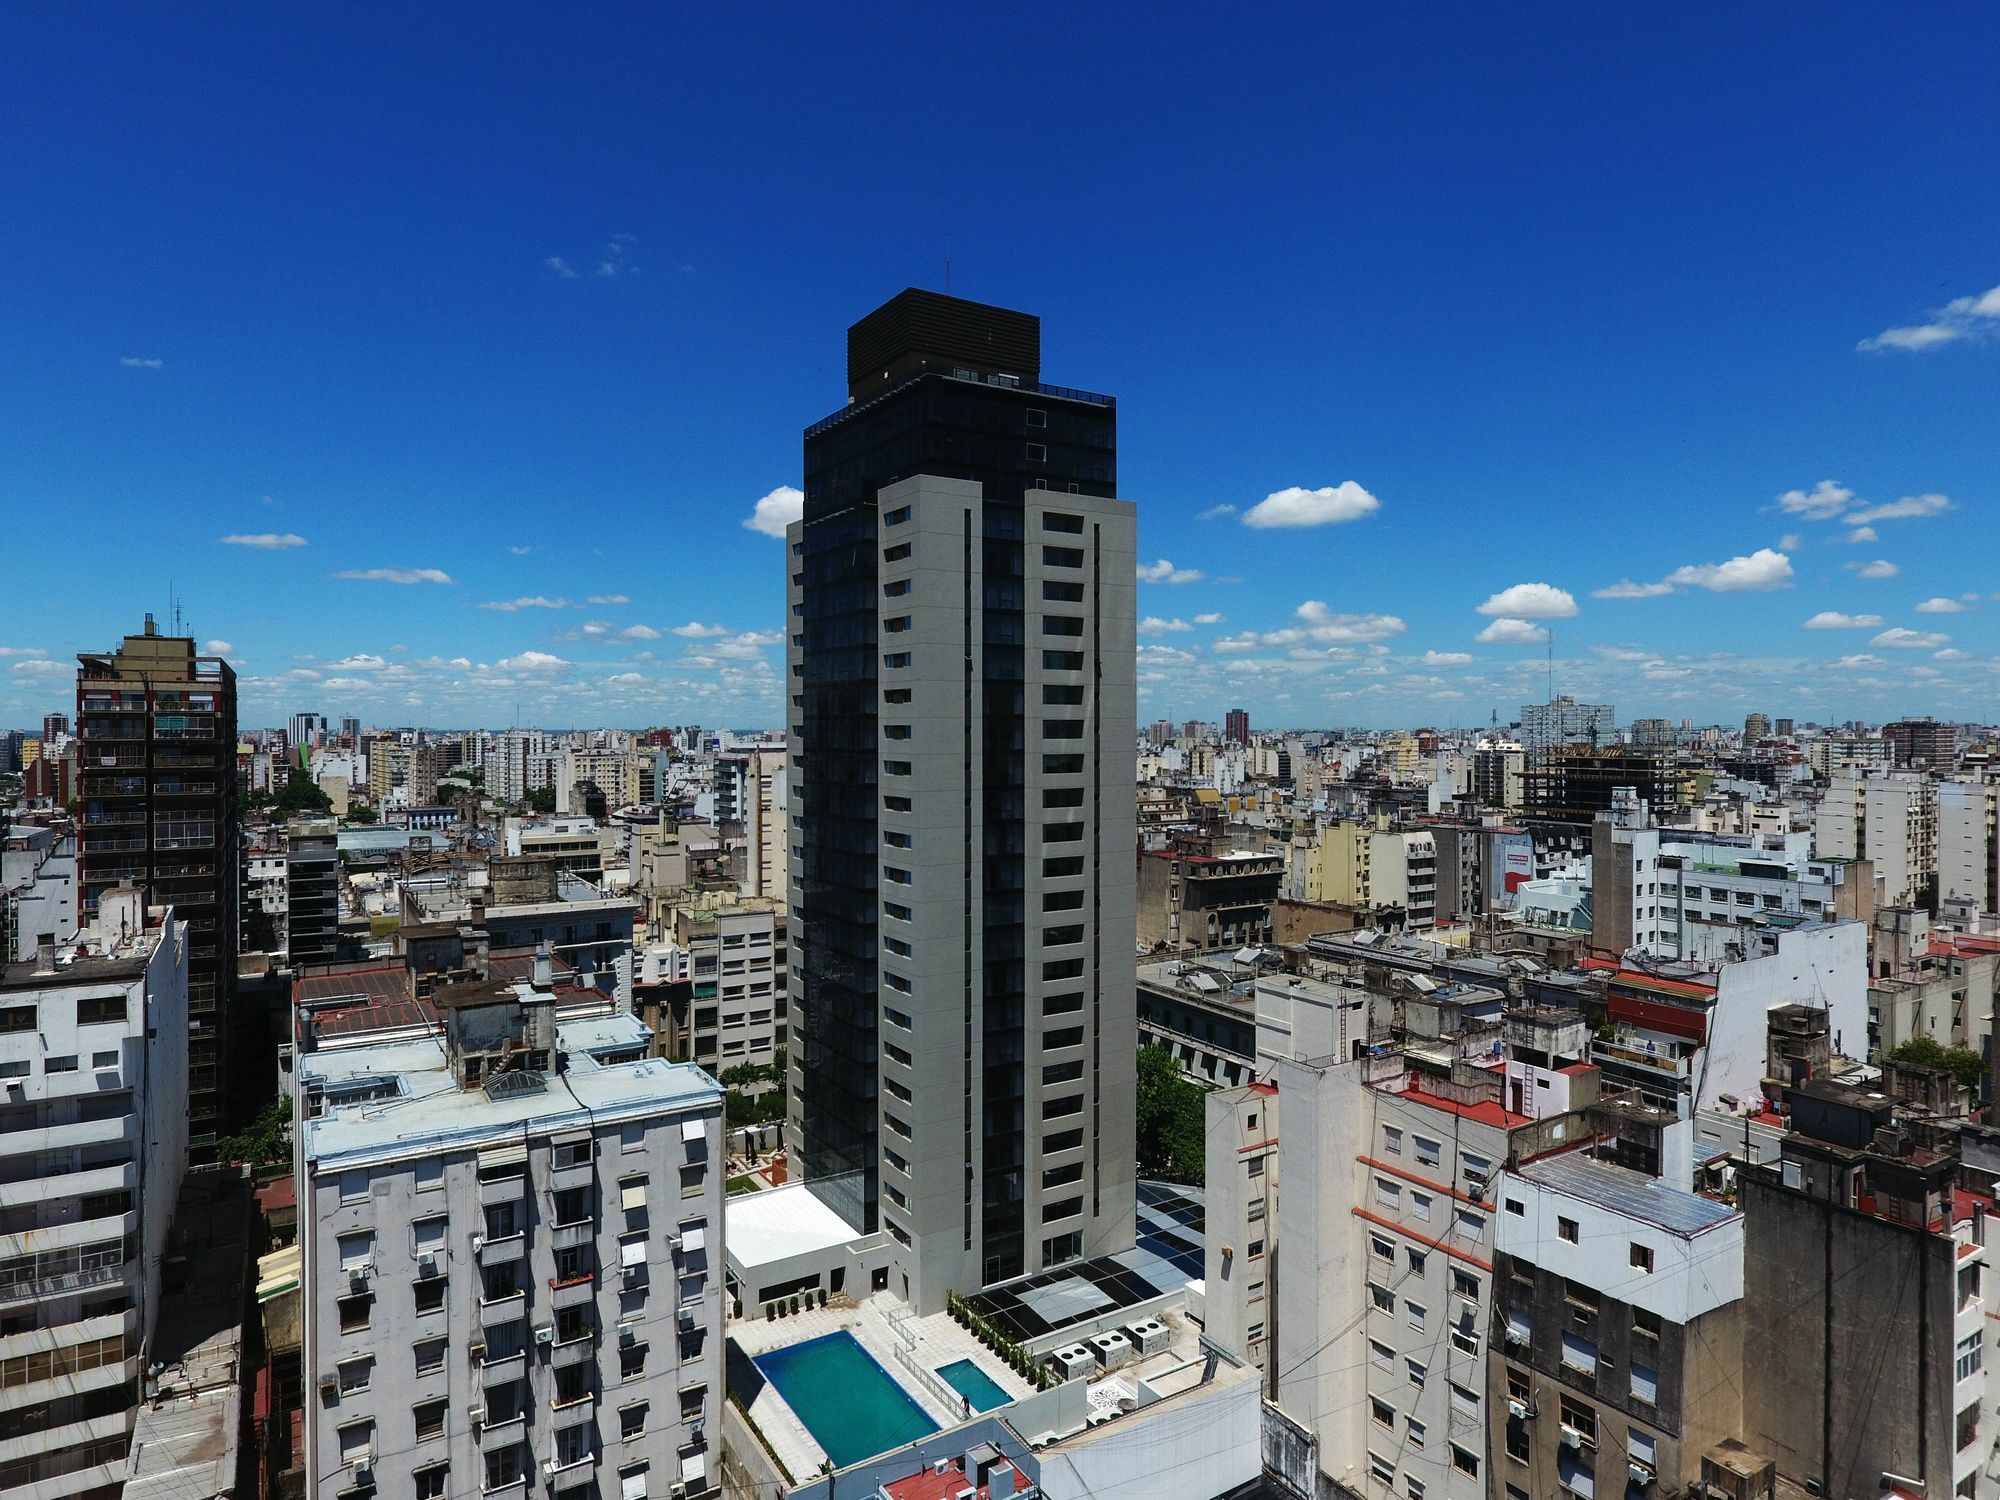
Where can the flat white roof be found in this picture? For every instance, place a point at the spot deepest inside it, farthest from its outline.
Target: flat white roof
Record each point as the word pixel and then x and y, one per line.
pixel 778 1224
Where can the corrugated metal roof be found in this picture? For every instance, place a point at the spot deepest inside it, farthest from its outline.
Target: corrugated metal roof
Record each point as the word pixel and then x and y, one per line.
pixel 1624 1191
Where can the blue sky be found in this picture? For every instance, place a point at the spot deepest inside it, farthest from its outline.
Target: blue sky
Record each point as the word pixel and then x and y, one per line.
pixel 530 306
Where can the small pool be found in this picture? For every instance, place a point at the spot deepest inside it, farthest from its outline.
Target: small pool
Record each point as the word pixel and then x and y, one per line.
pixel 974 1384
pixel 846 1400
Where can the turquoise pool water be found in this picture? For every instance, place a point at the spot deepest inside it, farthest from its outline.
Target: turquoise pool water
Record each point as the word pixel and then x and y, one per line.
pixel 847 1401
pixel 974 1384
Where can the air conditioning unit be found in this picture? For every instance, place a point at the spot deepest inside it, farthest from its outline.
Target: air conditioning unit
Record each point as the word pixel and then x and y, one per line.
pixel 545 1334
pixel 1641 1473
pixel 357 1276
pixel 475 1351
pixel 478 1243
pixel 477 1416
pixel 427 1263
pixel 362 1471
pixel 696 1427
pixel 1571 1437
pixel 627 1334
pixel 1520 1410
pixel 687 1317
pixel 329 1388
pixel 1475 1189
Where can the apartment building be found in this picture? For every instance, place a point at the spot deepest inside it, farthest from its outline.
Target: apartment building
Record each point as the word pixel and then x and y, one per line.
pixel 1889 819
pixel 1617 1352
pixel 158 724
pixel 38 888
pixel 613 772
pixel 312 891
pixel 507 1232
pixel 1387 1223
pixel 1370 865
pixel 1240 1231
pixel 93 1143
pixel 737 962
pixel 1195 896
pixel 1564 721
pixel 961 592
pixel 751 792
pixel 1968 843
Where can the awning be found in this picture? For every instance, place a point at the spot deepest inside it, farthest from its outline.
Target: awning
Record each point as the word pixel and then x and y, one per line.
pixel 632 1252
pixel 632 1195
pixel 504 1156
pixel 694 1239
pixel 694 1130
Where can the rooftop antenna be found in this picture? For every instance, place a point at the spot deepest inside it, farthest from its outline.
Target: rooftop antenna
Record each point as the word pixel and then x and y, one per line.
pixel 1550 637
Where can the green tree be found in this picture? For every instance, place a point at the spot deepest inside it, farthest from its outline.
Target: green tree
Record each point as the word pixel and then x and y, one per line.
pixel 1172 1132
pixel 1926 1052
pixel 301 797
pixel 265 1142
pixel 361 812
pixel 542 800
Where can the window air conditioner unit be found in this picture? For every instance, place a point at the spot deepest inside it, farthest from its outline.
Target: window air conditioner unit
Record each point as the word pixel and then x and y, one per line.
pixel 1641 1473
pixel 363 1471
pixel 357 1276
pixel 478 1243
pixel 696 1427
pixel 545 1334
pixel 329 1388
pixel 475 1351
pixel 687 1318
pixel 427 1263
pixel 627 1334
pixel 1571 1438
pixel 1519 1409
pixel 477 1416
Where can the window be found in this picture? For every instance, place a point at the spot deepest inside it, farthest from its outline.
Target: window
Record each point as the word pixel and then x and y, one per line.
pixel 1413 1487
pixel 104 1059
pixel 1414 1313
pixel 357 1249
pixel 503 1220
pixel 64 1064
pixel 1517 1208
pixel 1380 1469
pixel 1417 1259
pixel 355 1374
pixel 1416 1372
pixel 429 1234
pixel 428 1417
pixel 1392 1140
pixel 1581 1418
pixel 1420 1205
pixel 94 1010
pixel 430 1176
pixel 1382 1297
pixel 896 553
pixel 1971 1357
pixel 356 1311
pixel 1645 1384
pixel 1382 1413
pixel 1471 1225
pixel 1566 1230
pixel 1062 557
pixel 503 1467
pixel 631 1361
pixel 1464 1284
pixel 896 588
pixel 1579 1353
pixel 632 1421
pixel 1465 1461
pixel 572 1384
pixel 1414 1432
pixel 354 1186
pixel 357 1442
pixel 1381 1355
pixel 1464 1402
pixel 430 1481
pixel 430 1295
pixel 1062 661
pixel 429 1355
pixel 1642 1257
pixel 572 1154
pixel 1427 1152
pixel 1380 1246
pixel 1388 1192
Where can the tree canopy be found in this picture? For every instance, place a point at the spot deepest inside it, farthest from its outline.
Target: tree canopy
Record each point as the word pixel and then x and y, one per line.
pixel 1967 1066
pixel 1172 1130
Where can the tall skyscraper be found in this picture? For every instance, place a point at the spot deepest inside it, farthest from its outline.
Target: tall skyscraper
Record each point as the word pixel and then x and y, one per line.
pixel 158 730
pixel 54 727
pixel 1564 721
pixel 1236 727
pixel 305 728
pixel 963 714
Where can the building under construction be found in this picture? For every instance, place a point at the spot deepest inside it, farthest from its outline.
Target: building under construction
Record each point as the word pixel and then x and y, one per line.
pixel 1573 784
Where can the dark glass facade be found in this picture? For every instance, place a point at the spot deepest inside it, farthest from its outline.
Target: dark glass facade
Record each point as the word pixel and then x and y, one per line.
pixel 948 389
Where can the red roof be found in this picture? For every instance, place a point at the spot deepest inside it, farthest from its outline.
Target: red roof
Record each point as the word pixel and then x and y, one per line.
pixel 926 1484
pixel 1486 1112
pixel 1263 1086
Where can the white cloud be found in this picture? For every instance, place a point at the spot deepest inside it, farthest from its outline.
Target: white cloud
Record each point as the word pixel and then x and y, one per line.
pixel 1208 619
pixel 1622 653
pixel 1791 541
pixel 1940 606
pixel 1950 653
pixel 1822 502
pixel 526 601
pixel 1900 639
pixel 6 651
pixel 1165 572
pixel 520 551
pixel 1880 568
pixel 217 648
pixel 137 362
pixel 1856 663
pixel 1447 658
pixel 1833 619
pixel 1512 633
pixel 1762 569
pixel 268 541
pixel 1154 625
pixel 532 661
pixel 1216 512
pixel 396 575
pixel 695 630
pixel 1961 318
pixel 1625 588
pixel 638 633
pixel 624 677
pixel 777 510
pixel 608 599
pixel 1346 501
pixel 1861 535
pixel 1531 601
pixel 1325 626
pixel 39 666
pixel 563 269
pixel 1910 507
pixel 358 663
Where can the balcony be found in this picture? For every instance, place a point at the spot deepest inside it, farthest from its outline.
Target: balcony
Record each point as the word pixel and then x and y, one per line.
pixel 63 1137
pixel 62 1185
pixel 579 1291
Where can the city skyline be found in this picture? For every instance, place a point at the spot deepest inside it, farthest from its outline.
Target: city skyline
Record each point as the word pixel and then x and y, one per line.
pixel 521 451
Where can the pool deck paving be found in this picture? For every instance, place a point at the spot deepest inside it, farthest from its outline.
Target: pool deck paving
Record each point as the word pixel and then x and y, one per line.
pixel 882 1326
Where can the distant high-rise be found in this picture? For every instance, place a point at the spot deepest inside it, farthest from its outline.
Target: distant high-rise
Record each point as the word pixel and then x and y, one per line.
pixel 158 727
pixel 962 595
pixel 1756 727
pixel 1923 743
pixel 305 731
pixel 1564 721
pixel 54 727
pixel 1236 727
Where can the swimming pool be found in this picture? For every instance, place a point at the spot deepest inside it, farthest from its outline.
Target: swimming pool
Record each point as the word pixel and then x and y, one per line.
pixel 973 1383
pixel 846 1400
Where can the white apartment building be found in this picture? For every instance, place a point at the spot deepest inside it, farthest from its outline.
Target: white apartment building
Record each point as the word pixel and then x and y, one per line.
pixel 736 960
pixel 1387 1223
pixel 1564 721
pixel 507 1235
pixel 1240 1233
pixel 752 789
pixel 518 762
pixel 93 1141
pixel 1828 755
pixel 1887 818
pixel 1968 843
pixel 615 773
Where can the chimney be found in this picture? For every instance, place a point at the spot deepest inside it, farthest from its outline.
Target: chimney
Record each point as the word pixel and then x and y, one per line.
pixel 544 968
pixel 151 628
pixel 45 953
